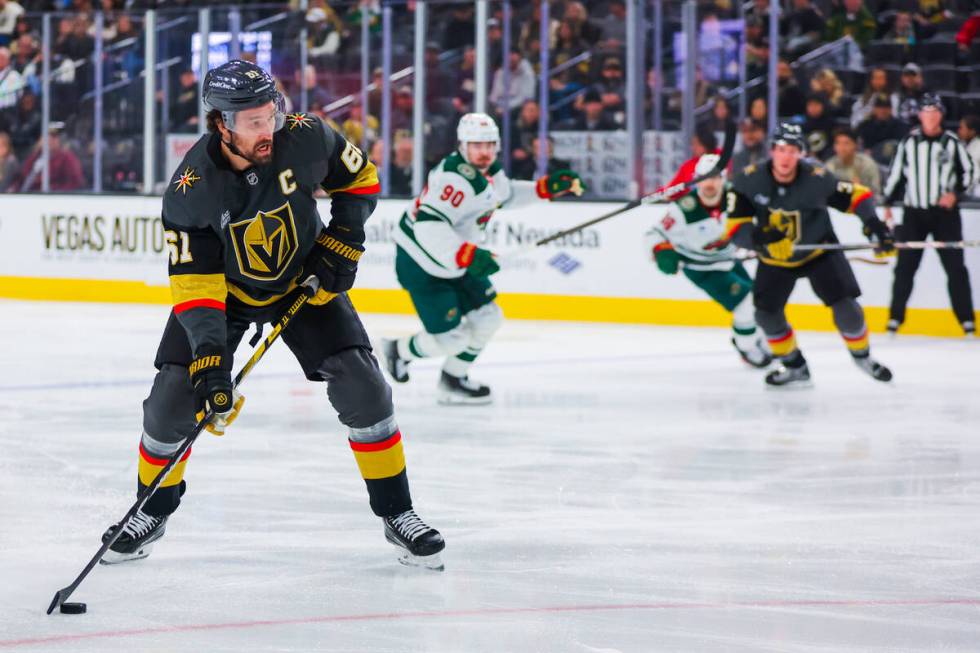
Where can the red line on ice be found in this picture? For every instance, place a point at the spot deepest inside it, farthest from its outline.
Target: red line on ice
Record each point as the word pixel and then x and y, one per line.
pixel 490 612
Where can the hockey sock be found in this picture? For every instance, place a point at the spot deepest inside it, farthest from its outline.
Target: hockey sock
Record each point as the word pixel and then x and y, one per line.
pixel 849 318
pixel 166 498
pixel 382 465
pixel 743 325
pixel 481 324
pixel 426 345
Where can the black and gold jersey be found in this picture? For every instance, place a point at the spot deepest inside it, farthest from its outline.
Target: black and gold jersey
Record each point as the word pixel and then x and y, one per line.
pixel 799 209
pixel 239 238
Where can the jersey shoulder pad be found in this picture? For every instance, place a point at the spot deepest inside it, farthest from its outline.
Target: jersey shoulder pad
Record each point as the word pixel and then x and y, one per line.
pixel 192 193
pixel 307 136
pixel 454 163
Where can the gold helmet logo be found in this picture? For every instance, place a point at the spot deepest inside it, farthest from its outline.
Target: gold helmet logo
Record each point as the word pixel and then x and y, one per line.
pixel 266 244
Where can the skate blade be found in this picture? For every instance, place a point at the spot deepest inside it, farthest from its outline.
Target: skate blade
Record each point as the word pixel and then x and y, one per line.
pixel 114 558
pixel 446 399
pixel 433 562
pixel 790 387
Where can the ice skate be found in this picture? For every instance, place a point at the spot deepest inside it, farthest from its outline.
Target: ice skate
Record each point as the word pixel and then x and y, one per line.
pixel 455 390
pixel 396 365
pixel 420 544
pixel 137 538
pixel 785 376
pixel 874 369
pixel 892 327
pixel 756 356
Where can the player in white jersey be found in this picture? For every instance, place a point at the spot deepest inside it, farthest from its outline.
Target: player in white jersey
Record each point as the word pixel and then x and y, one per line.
pixel 440 264
pixel 681 241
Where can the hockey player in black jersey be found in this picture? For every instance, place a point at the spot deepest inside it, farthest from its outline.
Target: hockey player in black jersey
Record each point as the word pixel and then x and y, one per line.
pixel 242 230
pixel 781 203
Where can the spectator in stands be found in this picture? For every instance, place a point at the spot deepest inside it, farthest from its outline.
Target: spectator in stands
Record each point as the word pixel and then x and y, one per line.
pixel 613 26
pixel 911 88
pixel 400 175
pixel 317 97
pixel 184 103
pixel 402 108
pixel 8 163
pixel 759 13
pixel 932 12
pixel 792 102
pixel 525 127
pixel 759 110
pixel 463 80
pixel 756 47
pixel 27 61
pixel 526 168
pixel 753 148
pixel 25 127
pixel 65 168
pixel 523 83
pixel 460 28
pixel 969 31
pixel 561 88
pixel 828 83
pixel 818 126
pixel 801 28
pixel 593 115
pixel 495 41
pixel 10 11
pixel 576 13
pixel 721 115
pixel 325 33
pixel 852 19
pixel 909 30
pixel 11 83
pixel 612 86
pixel 881 127
pixel 74 42
pixel 531 31
pixel 703 142
pixel 568 45
pixel 850 165
pixel 877 83
pixel 353 127
pixel 969 133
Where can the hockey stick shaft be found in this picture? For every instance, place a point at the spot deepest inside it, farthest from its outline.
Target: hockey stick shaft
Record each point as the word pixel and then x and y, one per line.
pixel 62 595
pixel 658 195
pixel 912 244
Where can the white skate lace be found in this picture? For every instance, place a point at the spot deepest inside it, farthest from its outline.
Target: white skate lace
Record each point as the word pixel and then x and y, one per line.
pixel 140 525
pixel 409 524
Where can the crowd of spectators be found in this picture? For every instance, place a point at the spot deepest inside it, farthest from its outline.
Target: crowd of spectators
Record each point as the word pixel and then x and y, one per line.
pixel 851 114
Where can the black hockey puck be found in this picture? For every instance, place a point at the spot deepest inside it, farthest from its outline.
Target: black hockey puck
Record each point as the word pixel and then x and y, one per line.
pixel 73 608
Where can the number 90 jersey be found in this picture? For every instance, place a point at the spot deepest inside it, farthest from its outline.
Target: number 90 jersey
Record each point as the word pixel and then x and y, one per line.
pixel 453 209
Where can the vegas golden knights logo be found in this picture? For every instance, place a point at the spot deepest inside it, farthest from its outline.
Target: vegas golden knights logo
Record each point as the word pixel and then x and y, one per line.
pixel 265 245
pixel 788 222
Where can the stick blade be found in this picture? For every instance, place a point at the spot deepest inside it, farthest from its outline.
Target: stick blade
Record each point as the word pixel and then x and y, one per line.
pixel 59 598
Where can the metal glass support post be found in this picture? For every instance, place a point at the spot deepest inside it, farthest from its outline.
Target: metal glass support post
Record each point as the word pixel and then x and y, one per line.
pixel 365 73
pixel 634 95
pixel 204 29
pixel 418 111
pixel 542 154
pixel 658 64
pixel 46 102
pixel 304 60
pixel 480 75
pixel 385 98
pixel 149 101
pixel 689 18
pixel 98 108
pixel 743 69
pixel 773 112
pixel 235 27
pixel 506 145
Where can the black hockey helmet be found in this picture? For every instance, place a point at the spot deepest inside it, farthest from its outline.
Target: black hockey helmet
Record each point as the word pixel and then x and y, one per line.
pixel 238 85
pixel 789 134
pixel 927 100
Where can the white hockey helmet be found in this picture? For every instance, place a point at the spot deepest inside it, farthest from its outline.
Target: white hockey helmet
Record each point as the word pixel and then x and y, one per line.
pixel 706 163
pixel 476 128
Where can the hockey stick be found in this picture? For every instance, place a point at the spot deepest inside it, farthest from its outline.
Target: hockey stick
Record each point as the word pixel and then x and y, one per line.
pixel 658 195
pixel 748 255
pixel 310 287
pixel 912 244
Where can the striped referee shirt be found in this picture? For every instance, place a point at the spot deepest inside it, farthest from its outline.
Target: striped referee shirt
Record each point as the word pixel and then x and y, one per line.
pixel 926 168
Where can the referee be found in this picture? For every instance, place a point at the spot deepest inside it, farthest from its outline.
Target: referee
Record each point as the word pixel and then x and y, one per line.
pixel 931 166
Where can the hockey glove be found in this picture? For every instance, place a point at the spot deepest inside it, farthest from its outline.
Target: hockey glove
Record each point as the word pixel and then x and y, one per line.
pixel 773 241
pixel 334 262
pixel 478 261
pixel 559 183
pixel 211 377
pixel 877 230
pixel 666 258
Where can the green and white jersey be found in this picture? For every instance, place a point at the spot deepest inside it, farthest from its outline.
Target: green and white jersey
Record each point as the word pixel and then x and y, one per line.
pixel 453 209
pixel 690 226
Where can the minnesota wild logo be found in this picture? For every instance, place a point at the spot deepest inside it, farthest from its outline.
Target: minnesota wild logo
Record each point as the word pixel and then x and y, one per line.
pixel 300 120
pixel 266 244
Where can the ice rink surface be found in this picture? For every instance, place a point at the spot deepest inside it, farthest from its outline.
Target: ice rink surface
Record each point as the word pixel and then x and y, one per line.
pixel 632 489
